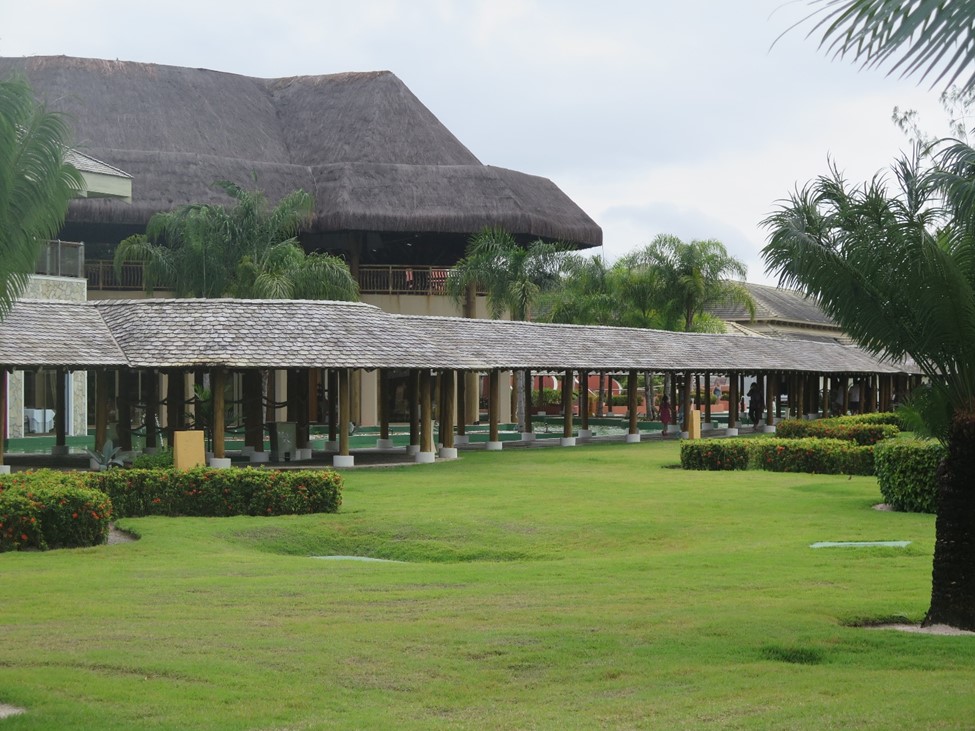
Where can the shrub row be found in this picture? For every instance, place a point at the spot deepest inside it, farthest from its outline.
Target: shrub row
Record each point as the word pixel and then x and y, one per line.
pixel 893 418
pixel 822 456
pixel 215 493
pixel 907 473
pixel 863 433
pixel 48 509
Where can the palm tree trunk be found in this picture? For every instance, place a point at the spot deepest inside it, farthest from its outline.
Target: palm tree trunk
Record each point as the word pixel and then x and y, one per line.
pixel 953 574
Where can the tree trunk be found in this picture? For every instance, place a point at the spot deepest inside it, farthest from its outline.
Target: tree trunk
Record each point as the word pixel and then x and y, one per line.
pixel 953 574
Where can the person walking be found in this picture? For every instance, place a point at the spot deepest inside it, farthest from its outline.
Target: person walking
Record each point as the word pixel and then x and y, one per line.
pixel 756 405
pixel 666 413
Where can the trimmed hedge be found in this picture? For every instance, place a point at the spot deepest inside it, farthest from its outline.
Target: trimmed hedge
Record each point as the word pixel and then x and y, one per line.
pixel 907 473
pixel 822 456
pixel 216 493
pixel 880 417
pixel 48 509
pixel 863 433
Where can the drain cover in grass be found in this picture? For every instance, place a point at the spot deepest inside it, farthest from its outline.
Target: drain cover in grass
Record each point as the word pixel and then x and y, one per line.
pixel 355 558
pixel 860 544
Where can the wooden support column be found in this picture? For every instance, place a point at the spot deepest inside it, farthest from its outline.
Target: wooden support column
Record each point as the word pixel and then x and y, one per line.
pixel 123 406
pixel 382 390
pixel 302 398
pixel 426 412
pixel 824 394
pixel 3 412
pixel 707 397
pixel 686 407
pixel 60 411
pixel 345 410
pixel 447 390
pixel 253 410
pixel 770 399
pixel 528 427
pixel 217 381
pixel 151 388
pixel 567 405
pixel 175 406
pixel 101 408
pixel 732 400
pixel 494 405
pixel 799 396
pixel 462 377
pixel 333 405
pixel 413 395
pixel 584 401
pixel 632 389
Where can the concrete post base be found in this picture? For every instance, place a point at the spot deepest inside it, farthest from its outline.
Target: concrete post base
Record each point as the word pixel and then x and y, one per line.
pixel 425 457
pixel 584 435
pixel 494 446
pixel 343 460
pixel 59 450
pixel 731 432
pixel 462 439
pixel 769 429
pixel 257 457
pixel 4 469
pixel 448 453
pixel 384 444
pixel 528 436
pixel 632 438
pixel 219 463
pixel 303 454
pixel 706 426
pixel 412 448
pixel 567 441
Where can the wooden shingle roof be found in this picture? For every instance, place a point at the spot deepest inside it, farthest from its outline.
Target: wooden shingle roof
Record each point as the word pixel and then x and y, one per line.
pixel 46 333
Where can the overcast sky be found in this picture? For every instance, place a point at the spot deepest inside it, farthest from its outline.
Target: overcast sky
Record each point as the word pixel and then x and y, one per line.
pixel 655 116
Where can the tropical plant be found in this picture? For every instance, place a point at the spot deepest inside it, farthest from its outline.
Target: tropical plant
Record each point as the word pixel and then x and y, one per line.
pixel 107 456
pixel 896 270
pixel 692 277
pixel 925 37
pixel 35 184
pixel 246 250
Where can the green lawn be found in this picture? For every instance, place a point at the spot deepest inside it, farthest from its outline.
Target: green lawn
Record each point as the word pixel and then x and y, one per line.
pixel 596 587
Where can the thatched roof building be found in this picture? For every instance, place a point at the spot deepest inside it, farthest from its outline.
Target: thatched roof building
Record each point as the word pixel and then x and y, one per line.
pixel 390 182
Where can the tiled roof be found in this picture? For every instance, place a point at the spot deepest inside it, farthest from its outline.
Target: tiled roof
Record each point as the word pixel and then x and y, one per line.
pixel 776 304
pixel 49 333
pixel 188 333
pixel 88 164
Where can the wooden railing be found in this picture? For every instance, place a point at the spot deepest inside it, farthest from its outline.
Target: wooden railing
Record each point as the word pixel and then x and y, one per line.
pixel 101 275
pixel 373 279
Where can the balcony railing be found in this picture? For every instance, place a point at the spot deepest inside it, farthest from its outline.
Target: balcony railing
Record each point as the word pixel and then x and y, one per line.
pixel 373 279
pixel 101 275
pixel 62 259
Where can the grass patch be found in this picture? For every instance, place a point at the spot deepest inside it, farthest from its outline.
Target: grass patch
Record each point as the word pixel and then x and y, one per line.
pixel 546 588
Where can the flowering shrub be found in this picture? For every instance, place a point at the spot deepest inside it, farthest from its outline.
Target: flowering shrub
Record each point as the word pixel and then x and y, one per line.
pixel 825 456
pixel 860 432
pixel 715 454
pixel 48 509
pixel 216 493
pixel 907 473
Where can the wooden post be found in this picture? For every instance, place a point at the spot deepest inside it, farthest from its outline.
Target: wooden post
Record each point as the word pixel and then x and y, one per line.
pixel 528 401
pixel 687 401
pixel 301 399
pixel 3 412
pixel 123 407
pixel 426 411
pixel 333 405
pixel 707 397
pixel 631 394
pixel 345 410
pixel 770 399
pixel 413 394
pixel 732 400
pixel 253 410
pixel 824 394
pixel 217 381
pixel 101 408
pixel 584 400
pixel 151 388
pixel 462 403
pixel 60 409
pixel 494 404
pixel 567 405
pixel 799 396
pixel 175 403
pixel 382 379
pixel 447 380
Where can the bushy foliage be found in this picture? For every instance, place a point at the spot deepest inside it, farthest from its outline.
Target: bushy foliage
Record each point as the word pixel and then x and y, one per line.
pixel 161 459
pixel 715 454
pixel 907 473
pixel 894 418
pixel 863 433
pixel 823 456
pixel 48 509
pixel 208 492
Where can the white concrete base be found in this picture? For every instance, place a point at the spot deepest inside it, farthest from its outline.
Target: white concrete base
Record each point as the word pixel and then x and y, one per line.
pixel 494 446
pixel 4 469
pixel 768 429
pixel 303 454
pixel 448 453
pixel 412 448
pixel 260 457
pixel 706 426
pixel 331 446
pixel 584 435
pixel 425 457
pixel 462 439
pixel 59 450
pixel 384 444
pixel 632 438
pixel 812 417
pixel 567 441
pixel 219 463
pixel 246 451
pixel 343 460
pixel 528 436
pixel 731 432
pixel 684 435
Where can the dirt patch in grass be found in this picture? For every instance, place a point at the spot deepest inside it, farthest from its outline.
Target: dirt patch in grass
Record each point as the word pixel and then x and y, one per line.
pixel 7 710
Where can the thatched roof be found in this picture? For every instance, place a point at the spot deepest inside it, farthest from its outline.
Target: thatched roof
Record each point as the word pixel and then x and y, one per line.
pixel 372 155
pixel 188 333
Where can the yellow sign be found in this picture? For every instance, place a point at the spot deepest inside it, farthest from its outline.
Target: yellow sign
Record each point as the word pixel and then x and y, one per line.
pixel 188 451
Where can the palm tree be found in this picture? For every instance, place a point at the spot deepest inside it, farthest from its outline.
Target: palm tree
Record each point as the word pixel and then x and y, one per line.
pixel 897 272
pixel 513 276
pixel 584 294
pixel 246 250
pixel 693 277
pixel 35 184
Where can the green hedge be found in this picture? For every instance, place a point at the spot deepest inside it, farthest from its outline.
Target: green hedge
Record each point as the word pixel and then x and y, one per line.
pixel 208 492
pixel 823 456
pixel 863 433
pixel 48 509
pixel 907 473
pixel 893 418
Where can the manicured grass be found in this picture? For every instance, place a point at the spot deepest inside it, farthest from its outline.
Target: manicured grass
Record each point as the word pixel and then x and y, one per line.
pixel 596 587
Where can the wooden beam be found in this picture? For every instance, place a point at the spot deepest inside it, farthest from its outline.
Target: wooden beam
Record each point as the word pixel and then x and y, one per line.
pixel 426 411
pixel 345 410
pixel 217 382
pixel 631 393
pixel 447 381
